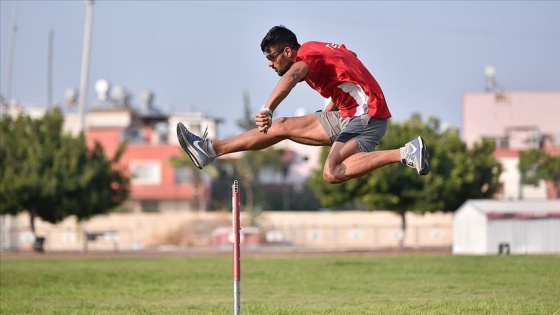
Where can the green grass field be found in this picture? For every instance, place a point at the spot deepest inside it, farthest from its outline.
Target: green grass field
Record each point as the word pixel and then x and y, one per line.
pixel 283 285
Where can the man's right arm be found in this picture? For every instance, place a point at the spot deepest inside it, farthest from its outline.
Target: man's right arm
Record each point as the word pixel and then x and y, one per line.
pixel 287 82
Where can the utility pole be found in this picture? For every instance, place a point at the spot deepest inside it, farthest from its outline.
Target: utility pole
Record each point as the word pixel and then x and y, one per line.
pixel 8 92
pixel 50 69
pixel 85 64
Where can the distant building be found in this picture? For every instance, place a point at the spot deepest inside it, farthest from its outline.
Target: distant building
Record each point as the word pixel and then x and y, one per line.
pixel 14 109
pixel 151 138
pixel 486 227
pixel 518 121
pixel 152 142
pixel 156 186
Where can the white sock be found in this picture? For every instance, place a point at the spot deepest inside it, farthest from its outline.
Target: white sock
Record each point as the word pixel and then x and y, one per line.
pixel 403 155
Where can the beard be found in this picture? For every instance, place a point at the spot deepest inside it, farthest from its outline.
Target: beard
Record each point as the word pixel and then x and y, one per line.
pixel 282 70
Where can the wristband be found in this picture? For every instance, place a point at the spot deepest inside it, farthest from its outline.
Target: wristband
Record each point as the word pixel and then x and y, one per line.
pixel 268 110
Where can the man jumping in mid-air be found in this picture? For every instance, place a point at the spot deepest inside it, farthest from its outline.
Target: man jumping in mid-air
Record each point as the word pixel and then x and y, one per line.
pixel 352 123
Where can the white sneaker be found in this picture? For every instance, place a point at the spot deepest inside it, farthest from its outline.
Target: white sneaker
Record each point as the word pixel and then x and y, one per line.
pixel 416 156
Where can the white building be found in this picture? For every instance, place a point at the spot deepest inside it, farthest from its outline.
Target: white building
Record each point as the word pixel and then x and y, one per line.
pixel 486 227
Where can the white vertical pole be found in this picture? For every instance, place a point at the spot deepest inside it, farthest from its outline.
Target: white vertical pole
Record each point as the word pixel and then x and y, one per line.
pixel 85 63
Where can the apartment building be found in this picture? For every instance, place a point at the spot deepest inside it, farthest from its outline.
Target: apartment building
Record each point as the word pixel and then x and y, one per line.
pixel 518 121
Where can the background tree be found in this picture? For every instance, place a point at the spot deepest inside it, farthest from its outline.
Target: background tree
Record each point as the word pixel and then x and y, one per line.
pixel 457 174
pixel 536 165
pixel 103 184
pixel 195 177
pixel 252 162
pixel 247 168
pixel 53 175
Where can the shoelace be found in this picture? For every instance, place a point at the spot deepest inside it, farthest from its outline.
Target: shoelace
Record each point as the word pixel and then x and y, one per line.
pixel 205 141
pixel 205 136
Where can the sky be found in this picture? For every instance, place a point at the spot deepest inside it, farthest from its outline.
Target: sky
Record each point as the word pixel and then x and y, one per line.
pixel 204 55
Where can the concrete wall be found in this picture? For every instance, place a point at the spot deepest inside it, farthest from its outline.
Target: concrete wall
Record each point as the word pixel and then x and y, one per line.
pixel 175 230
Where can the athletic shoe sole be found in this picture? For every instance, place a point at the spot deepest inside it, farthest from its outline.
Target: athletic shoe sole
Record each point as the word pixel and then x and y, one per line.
pixel 424 165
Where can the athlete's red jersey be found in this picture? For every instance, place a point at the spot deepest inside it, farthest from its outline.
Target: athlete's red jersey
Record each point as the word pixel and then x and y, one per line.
pixel 336 72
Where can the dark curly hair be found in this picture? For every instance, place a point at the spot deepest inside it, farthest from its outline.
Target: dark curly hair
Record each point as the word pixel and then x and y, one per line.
pixel 279 37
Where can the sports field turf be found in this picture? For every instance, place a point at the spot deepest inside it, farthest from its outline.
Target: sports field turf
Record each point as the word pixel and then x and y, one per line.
pixel 438 284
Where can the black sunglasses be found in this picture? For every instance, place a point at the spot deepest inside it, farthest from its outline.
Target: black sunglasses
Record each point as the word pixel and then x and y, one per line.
pixel 272 57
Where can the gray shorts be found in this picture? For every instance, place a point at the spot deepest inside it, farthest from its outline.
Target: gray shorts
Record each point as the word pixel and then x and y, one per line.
pixel 367 130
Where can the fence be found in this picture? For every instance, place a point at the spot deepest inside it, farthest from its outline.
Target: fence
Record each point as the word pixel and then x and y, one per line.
pixel 182 230
pixel 60 239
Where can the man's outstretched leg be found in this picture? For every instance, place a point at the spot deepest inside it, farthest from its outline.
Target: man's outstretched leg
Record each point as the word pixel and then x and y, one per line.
pixel 305 130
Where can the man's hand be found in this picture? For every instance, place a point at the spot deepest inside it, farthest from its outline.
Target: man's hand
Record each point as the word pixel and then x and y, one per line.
pixel 263 119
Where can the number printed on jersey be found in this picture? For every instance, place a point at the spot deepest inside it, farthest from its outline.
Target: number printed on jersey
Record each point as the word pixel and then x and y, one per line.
pixel 332 46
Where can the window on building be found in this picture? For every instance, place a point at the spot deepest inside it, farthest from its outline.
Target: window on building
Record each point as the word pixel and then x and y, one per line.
pixel 149 205
pixel 146 172
pixel 132 135
pixel 502 143
pixel 161 132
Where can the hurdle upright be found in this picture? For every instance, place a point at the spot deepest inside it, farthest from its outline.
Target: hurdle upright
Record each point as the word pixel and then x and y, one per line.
pixel 235 205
